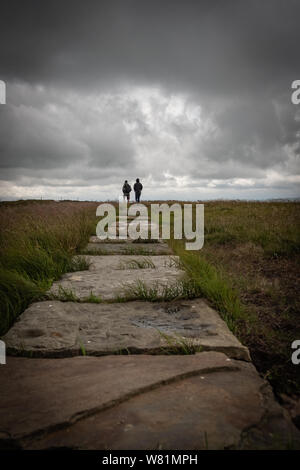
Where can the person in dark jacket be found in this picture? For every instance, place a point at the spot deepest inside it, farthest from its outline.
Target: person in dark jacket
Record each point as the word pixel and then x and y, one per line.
pixel 137 189
pixel 126 190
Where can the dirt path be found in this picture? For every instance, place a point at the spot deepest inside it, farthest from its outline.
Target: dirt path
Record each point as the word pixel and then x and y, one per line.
pixel 93 369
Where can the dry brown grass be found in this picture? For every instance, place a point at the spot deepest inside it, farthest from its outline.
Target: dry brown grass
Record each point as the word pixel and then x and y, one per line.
pixel 255 247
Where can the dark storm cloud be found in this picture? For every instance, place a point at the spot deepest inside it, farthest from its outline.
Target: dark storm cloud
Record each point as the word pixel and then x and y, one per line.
pixel 98 88
pixel 221 46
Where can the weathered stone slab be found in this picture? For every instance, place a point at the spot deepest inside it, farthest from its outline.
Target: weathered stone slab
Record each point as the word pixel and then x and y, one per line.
pixel 109 275
pixel 123 223
pixel 128 247
pixel 224 410
pixel 205 401
pixel 97 240
pixel 150 246
pixel 59 392
pixel 54 329
pixel 123 229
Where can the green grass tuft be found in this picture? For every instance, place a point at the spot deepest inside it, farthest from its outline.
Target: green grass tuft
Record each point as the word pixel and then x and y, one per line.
pixel 184 289
pixel 17 291
pixel 145 263
pixel 178 345
pixel 93 299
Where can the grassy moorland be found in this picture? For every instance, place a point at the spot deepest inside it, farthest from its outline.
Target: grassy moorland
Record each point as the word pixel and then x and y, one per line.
pixel 249 271
pixel 37 243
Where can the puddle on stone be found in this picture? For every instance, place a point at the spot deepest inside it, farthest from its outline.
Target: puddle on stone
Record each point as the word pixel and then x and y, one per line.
pixel 31 333
pixel 186 329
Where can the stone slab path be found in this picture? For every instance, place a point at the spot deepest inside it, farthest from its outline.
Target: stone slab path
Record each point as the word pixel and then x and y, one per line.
pixel 202 401
pixel 132 375
pixel 59 329
pixel 93 383
pixel 129 248
pixel 108 276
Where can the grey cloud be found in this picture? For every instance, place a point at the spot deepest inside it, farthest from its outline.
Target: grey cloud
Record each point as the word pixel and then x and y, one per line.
pixel 28 138
pixel 58 132
pixel 100 91
pixel 220 47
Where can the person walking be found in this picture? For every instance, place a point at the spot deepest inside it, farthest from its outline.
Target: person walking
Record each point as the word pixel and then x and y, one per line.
pixel 126 190
pixel 137 189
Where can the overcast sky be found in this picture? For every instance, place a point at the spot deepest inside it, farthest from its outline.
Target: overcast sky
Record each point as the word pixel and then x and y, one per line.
pixel 193 97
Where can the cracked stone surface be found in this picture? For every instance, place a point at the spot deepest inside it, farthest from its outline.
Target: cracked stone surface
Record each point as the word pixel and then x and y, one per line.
pixel 55 329
pixel 139 402
pixel 109 275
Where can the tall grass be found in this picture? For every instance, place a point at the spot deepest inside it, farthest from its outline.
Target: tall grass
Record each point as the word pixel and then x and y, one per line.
pixel 211 283
pixel 37 244
pixel 272 226
pixel 181 289
pixel 248 270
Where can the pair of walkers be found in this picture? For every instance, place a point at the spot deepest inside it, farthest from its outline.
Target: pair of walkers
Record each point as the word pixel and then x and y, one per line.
pixel 137 189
